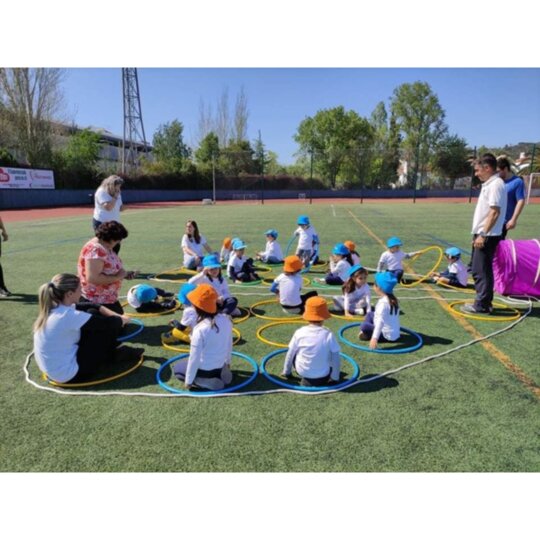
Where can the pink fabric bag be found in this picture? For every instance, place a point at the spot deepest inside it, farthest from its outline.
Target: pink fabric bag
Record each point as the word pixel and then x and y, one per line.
pixel 516 267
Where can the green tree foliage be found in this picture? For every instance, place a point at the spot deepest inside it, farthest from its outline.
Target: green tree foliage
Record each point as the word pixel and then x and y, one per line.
pixel 30 99
pixel 237 158
pixel 6 159
pixel 420 117
pixel 82 152
pixel 170 152
pixel 451 158
pixel 335 137
pixel 207 154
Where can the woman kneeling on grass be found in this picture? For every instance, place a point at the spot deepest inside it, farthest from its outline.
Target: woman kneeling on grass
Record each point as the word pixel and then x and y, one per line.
pixel 208 366
pixel 72 340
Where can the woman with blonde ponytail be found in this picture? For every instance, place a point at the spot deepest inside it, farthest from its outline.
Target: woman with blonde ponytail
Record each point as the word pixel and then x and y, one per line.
pixel 72 339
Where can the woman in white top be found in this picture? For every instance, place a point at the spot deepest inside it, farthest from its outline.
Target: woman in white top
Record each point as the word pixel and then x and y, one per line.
pixel 72 340
pixel 356 299
pixel 108 202
pixel 193 245
pixel 313 349
pixel 384 321
pixel 210 353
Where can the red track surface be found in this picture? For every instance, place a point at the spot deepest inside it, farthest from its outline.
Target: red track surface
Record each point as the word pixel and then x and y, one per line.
pixel 30 214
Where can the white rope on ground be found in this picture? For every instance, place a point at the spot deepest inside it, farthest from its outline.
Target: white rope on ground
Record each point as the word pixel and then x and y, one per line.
pixel 287 390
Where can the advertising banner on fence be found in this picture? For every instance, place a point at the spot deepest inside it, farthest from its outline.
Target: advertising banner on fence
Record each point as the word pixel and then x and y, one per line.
pixel 11 178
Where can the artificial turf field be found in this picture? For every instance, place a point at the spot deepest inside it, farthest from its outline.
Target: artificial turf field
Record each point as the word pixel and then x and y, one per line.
pixel 475 409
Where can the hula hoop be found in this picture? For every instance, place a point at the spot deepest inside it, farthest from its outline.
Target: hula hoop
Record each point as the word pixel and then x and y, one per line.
pixel 185 349
pixel 305 281
pixel 350 318
pixel 289 244
pixel 173 271
pixel 247 283
pixel 99 381
pixel 465 290
pixel 412 348
pixel 261 269
pixel 240 319
pixel 269 325
pixel 268 318
pixel 136 332
pixel 493 318
pixel 422 278
pixel 156 314
pixel 279 382
pixel 207 392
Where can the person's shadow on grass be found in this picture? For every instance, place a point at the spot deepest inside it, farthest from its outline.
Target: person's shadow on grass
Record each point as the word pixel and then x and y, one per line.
pixel 30 299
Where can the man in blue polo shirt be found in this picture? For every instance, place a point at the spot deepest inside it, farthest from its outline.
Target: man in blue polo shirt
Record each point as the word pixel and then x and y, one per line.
pixel 515 189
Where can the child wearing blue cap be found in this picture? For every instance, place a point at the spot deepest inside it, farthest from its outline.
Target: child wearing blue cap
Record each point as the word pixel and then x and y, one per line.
pixel 391 259
pixel 211 274
pixel 356 298
pixel 384 321
pixel 240 269
pixel 456 273
pixel 272 253
pixel 181 330
pixel 340 264
pixel 307 240
pixel 146 299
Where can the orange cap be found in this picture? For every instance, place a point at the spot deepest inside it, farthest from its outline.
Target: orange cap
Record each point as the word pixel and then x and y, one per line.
pixel 227 243
pixel 350 245
pixel 316 309
pixel 204 296
pixel 292 263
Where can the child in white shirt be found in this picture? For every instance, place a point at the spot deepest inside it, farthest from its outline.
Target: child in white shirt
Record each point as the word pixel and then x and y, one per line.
pixel 146 299
pixel 181 330
pixel 272 253
pixel 384 321
pixel 456 273
pixel 340 264
pixel 356 299
pixel 355 256
pixel 225 250
pixel 313 349
pixel 307 239
pixel 240 269
pixel 288 286
pixel 391 260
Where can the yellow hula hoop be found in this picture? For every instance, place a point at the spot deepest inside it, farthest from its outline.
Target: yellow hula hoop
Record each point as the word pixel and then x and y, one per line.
pixel 351 318
pixel 261 269
pixel 423 278
pixel 173 271
pixel 266 317
pixel 492 318
pixel 240 319
pixel 99 381
pixel 157 314
pixel 269 325
pixel 235 331
pixel 305 281
pixel 465 290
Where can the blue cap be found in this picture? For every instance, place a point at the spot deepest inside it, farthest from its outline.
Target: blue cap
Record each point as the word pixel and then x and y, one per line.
pixel 302 220
pixel 453 252
pixel 211 261
pixel 353 269
pixel 145 293
pixel 238 244
pixel 386 281
pixel 185 289
pixel 340 249
pixel 271 232
pixel 393 242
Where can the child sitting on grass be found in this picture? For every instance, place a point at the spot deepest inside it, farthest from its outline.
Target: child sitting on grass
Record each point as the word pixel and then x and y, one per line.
pixel 340 264
pixel 240 269
pixel 272 253
pixel 356 298
pixel 355 256
pixel 456 273
pixel 181 330
pixel 146 299
pixel 288 286
pixel 313 349
pixel 391 259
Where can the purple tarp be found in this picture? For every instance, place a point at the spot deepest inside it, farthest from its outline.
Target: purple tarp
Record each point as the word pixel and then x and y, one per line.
pixel 516 267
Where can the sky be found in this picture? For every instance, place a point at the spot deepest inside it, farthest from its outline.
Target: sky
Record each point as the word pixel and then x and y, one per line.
pixel 486 106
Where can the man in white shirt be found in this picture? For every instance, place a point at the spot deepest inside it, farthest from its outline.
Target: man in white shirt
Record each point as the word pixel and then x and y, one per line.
pixel 487 229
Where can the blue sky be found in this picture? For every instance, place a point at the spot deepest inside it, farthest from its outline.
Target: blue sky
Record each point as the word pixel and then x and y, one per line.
pixel 491 107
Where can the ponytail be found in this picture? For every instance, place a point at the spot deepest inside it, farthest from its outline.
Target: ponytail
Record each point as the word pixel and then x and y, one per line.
pixel 52 294
pixel 394 304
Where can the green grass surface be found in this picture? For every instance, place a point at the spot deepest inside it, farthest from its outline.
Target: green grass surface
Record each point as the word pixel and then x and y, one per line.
pixel 463 412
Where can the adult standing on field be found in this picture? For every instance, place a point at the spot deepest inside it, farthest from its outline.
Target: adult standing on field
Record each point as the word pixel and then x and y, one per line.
pixel 108 202
pixel 515 190
pixel 487 227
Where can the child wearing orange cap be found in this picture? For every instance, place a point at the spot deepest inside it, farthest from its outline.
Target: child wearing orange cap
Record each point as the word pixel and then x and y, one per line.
pixel 210 353
pixel 226 250
pixel 355 256
pixel 313 349
pixel 288 286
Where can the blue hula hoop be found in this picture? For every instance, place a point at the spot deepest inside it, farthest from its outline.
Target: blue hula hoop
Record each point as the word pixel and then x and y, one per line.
pixel 290 244
pixel 279 382
pixel 206 392
pixel 135 332
pixel 412 348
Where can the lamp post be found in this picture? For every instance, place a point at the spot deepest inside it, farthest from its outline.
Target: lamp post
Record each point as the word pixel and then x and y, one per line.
pixel 310 175
pixel 214 177
pixel 472 175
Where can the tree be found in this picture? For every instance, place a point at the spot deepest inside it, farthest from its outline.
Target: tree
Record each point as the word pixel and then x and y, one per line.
pixel 236 159
pixel 241 115
pixel 333 135
pixel 169 147
pixel 30 100
pixel 420 118
pixel 451 158
pixel 82 151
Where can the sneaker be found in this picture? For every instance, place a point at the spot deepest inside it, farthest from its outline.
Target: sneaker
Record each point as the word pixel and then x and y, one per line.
pixel 175 324
pixel 363 337
pixel 4 293
pixel 360 311
pixel 236 313
pixel 471 308
pixel 126 353
pixel 168 304
pixel 213 383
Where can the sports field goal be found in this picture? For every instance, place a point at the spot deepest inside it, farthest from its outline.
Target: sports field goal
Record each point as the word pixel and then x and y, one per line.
pixel 246 197
pixel 531 182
